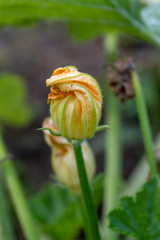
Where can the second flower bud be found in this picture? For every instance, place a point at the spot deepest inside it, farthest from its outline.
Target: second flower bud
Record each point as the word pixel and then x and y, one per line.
pixel 63 159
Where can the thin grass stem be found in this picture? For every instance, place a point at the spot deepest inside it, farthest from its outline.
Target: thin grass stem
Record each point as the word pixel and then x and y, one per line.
pixel 6 228
pixel 17 196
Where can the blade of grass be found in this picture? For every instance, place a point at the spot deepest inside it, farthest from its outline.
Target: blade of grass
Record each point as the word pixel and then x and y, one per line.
pixel 17 196
pixel 6 229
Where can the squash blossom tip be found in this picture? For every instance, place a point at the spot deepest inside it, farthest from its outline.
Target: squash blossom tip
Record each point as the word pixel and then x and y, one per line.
pixel 75 102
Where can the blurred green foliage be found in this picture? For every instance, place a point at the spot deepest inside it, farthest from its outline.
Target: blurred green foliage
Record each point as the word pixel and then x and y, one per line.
pixel 87 17
pixel 14 110
pixel 59 213
pixel 151 89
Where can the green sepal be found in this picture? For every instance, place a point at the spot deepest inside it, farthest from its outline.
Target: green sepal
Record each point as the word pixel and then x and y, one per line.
pixel 51 131
pixel 102 127
pixel 71 67
pixel 75 143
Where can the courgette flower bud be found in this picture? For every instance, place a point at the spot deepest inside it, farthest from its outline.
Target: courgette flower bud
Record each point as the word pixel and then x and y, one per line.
pixel 63 158
pixel 75 103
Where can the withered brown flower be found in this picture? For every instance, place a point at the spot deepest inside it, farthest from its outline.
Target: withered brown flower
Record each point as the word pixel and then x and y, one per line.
pixel 119 78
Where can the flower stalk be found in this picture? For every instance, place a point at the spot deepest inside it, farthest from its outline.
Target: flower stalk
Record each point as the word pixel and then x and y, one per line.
pixel 86 194
pixel 144 121
pixel 113 146
pixel 16 192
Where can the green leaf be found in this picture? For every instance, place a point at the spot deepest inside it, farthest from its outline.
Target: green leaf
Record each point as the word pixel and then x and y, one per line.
pixel 97 188
pixel 14 110
pixel 151 17
pixel 59 213
pixel 85 17
pixel 139 217
pixel 55 207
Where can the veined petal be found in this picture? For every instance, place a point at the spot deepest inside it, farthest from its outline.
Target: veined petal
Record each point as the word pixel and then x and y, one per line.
pixel 76 102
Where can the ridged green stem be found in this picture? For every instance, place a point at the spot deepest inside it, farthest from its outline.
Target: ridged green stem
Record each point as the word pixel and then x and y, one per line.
pixel 145 126
pixel 17 196
pixel 85 221
pixel 86 195
pixel 113 146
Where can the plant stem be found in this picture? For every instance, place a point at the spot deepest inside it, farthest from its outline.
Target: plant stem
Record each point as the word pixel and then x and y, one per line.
pixel 86 194
pixel 139 175
pixel 146 130
pixel 6 230
pixel 85 221
pixel 113 146
pixel 17 196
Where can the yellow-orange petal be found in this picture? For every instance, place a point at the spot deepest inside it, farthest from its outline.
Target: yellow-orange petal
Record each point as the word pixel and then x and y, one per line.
pixel 75 102
pixel 65 168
